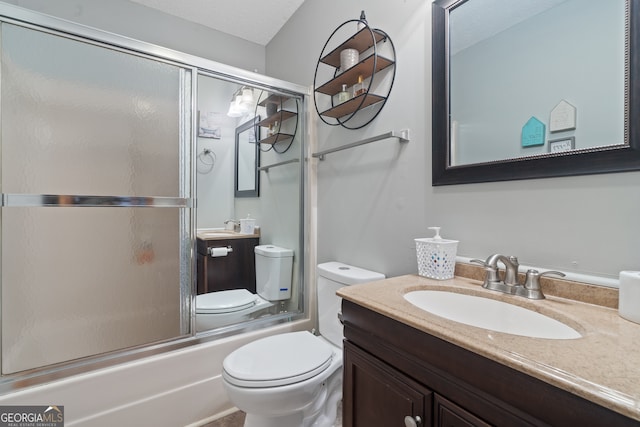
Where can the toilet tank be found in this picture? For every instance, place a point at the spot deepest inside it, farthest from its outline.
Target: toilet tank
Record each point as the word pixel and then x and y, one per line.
pixel 331 277
pixel 274 267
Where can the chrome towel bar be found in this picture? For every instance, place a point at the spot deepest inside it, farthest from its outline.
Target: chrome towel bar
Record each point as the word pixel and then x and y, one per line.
pixel 403 136
pixel 286 162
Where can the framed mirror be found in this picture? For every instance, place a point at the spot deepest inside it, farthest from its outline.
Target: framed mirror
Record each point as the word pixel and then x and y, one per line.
pixel 247 177
pixel 529 89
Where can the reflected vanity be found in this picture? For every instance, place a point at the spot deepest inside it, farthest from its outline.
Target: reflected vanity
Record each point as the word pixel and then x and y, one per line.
pixel 226 261
pixel 527 89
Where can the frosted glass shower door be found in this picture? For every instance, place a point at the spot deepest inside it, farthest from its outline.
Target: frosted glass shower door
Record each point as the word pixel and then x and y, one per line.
pixel 95 199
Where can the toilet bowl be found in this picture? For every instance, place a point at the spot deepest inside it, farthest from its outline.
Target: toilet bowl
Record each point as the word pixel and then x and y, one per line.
pixel 295 379
pixel 273 283
pixel 217 309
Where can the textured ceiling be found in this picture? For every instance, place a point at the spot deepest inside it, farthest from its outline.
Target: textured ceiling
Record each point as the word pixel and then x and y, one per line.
pixel 254 20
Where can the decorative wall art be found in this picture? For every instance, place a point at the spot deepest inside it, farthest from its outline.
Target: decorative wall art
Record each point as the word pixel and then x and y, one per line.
pixel 210 125
pixel 563 117
pixel 533 133
pixel 562 144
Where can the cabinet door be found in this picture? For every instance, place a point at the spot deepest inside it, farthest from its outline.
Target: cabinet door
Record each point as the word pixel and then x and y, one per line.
pixel 448 414
pixel 376 395
pixel 237 270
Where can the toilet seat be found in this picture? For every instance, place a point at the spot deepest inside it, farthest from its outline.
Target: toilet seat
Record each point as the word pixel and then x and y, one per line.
pixel 225 301
pixel 277 360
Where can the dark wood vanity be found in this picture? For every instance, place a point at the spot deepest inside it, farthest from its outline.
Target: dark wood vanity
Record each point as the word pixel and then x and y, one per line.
pixel 237 270
pixel 393 371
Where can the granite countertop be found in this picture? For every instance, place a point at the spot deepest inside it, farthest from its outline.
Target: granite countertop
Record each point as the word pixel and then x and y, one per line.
pixel 602 366
pixel 222 234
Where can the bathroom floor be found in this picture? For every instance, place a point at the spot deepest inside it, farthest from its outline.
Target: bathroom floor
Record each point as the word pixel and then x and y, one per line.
pixel 237 420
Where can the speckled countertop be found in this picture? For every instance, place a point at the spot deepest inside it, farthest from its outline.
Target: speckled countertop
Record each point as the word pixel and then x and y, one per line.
pixel 603 366
pixel 221 234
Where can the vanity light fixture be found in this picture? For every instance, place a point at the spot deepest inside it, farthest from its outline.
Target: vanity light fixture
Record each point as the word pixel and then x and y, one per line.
pixel 241 103
pixel 234 107
pixel 247 98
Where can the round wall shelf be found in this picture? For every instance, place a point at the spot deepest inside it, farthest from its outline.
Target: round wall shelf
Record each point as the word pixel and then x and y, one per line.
pixel 353 80
pixel 278 112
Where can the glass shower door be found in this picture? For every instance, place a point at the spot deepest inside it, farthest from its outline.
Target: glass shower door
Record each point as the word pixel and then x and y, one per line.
pixel 96 199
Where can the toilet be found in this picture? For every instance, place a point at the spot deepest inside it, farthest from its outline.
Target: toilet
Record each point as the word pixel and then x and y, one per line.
pixel 273 283
pixel 221 308
pixel 295 379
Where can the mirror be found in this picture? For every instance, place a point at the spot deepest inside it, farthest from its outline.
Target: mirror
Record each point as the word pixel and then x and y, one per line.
pixel 528 89
pixel 236 145
pixel 247 178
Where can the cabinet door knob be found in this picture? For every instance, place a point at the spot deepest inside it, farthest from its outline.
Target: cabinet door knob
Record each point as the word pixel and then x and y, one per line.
pixel 410 421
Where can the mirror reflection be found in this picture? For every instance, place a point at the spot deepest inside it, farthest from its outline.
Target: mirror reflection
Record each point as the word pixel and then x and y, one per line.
pixel 248 219
pixel 531 78
pixel 247 176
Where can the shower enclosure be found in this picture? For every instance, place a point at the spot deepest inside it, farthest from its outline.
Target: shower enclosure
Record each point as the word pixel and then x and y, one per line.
pixel 98 178
pixel 96 199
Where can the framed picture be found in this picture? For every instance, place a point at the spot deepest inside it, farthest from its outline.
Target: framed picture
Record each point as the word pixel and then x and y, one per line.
pixel 562 144
pixel 209 125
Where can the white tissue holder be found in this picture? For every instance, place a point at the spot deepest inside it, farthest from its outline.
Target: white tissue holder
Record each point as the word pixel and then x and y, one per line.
pixel 247 226
pixel 436 256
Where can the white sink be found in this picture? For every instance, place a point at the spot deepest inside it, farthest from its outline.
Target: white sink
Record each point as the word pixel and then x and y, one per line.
pixel 206 233
pixel 218 233
pixel 490 314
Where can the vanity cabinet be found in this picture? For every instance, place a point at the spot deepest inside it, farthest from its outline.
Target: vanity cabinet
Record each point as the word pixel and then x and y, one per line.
pixel 375 394
pixel 237 270
pixel 448 414
pixel 393 370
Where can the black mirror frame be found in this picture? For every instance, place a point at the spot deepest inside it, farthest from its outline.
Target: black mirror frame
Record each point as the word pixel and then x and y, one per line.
pixel 251 124
pixel 618 159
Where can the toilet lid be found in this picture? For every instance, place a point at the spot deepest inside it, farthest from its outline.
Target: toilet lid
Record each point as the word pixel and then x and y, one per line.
pixel 277 360
pixel 225 301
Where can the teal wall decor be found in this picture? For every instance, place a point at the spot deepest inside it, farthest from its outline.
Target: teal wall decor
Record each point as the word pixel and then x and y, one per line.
pixel 533 133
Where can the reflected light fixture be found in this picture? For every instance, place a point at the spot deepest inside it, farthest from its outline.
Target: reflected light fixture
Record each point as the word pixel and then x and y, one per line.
pixel 241 102
pixel 234 108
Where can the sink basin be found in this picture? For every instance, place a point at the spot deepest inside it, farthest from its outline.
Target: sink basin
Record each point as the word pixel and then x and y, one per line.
pixel 218 233
pixel 490 314
pixel 215 233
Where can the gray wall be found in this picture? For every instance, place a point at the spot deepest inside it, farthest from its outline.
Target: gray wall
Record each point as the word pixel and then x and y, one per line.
pixel 374 200
pixel 150 25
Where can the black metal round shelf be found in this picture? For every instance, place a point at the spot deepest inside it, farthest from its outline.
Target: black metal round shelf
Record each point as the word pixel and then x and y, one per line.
pixel 344 114
pixel 276 142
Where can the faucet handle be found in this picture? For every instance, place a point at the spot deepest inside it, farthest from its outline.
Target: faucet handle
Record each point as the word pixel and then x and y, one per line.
pixel 481 262
pixel 532 279
pixel 492 272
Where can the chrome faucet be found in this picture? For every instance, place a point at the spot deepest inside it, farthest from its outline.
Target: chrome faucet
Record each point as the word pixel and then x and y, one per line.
pixel 511 270
pixel 232 225
pixel 529 289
